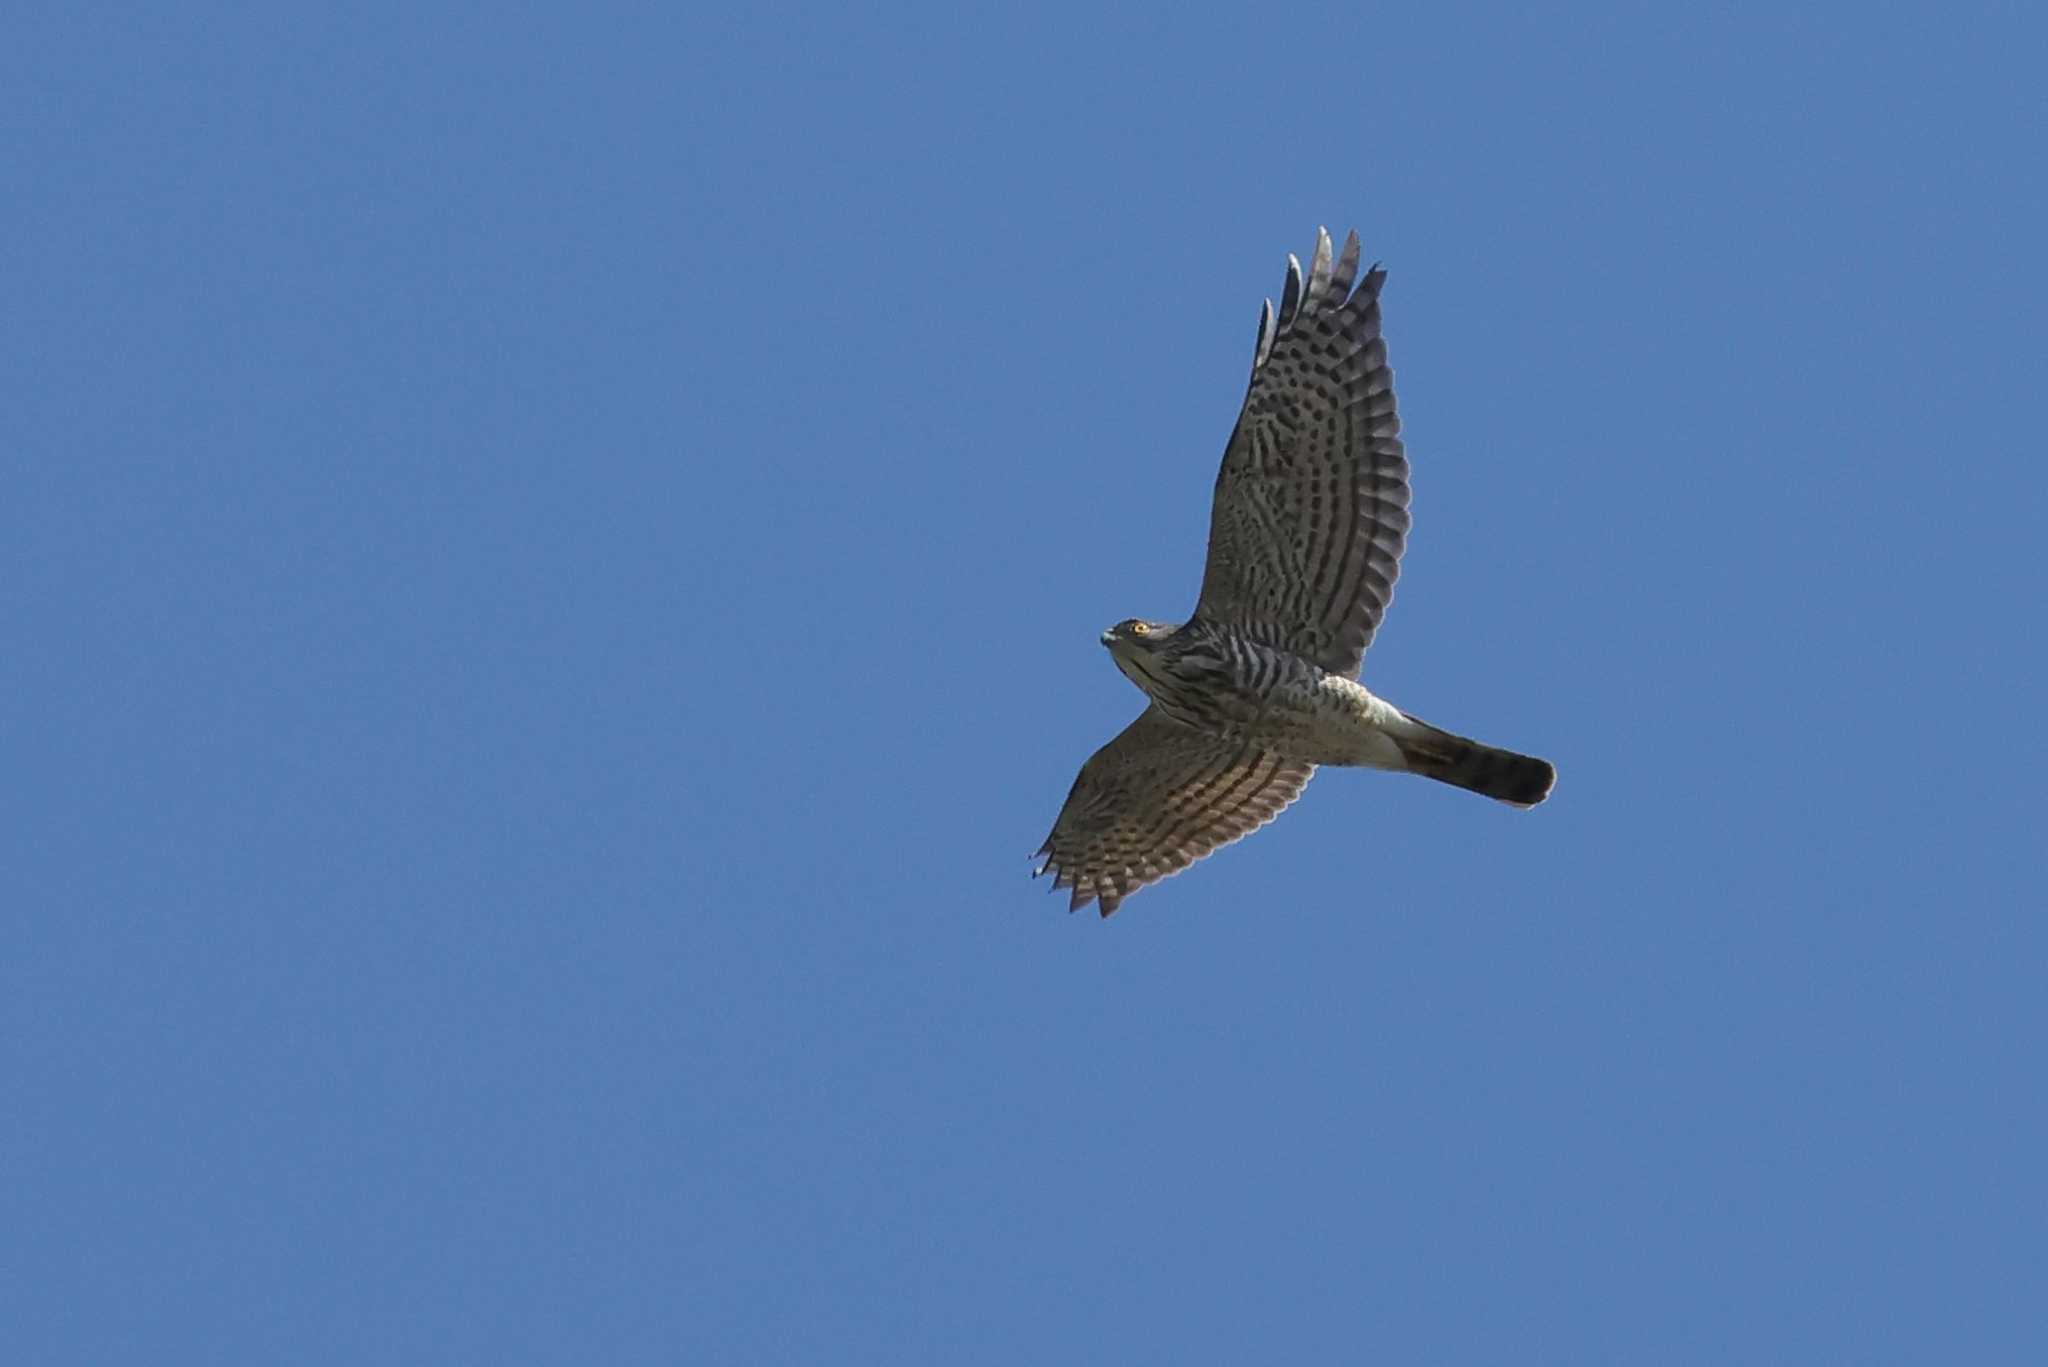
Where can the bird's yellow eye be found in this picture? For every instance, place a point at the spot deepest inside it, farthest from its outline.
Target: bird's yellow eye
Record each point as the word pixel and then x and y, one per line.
pixel 1140 628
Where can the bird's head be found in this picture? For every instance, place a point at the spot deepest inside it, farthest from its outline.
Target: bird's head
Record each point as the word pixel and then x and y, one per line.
pixel 1136 645
pixel 1135 634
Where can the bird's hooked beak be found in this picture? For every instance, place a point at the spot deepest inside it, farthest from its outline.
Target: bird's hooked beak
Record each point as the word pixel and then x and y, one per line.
pixel 1109 637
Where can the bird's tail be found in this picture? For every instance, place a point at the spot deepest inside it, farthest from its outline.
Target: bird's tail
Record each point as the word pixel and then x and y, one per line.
pixel 1499 774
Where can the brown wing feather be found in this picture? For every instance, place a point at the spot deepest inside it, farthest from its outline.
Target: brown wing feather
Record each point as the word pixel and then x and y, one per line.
pixel 1311 508
pixel 1156 799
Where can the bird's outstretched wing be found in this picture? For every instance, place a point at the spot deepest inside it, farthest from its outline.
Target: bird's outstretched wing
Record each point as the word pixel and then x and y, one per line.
pixel 1156 799
pixel 1311 507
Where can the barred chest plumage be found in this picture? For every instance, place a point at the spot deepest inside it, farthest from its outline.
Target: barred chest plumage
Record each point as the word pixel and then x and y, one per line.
pixel 1220 681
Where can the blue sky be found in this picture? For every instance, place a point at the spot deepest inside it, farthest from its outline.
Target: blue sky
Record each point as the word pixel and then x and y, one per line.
pixel 553 564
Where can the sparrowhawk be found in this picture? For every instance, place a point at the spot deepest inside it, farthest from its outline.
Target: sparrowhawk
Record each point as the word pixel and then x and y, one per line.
pixel 1258 687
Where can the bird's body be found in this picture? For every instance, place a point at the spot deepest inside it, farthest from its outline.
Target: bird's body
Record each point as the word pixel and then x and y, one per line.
pixel 1250 693
pixel 1255 690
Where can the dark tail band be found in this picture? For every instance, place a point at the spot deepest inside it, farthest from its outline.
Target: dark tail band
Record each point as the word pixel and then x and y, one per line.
pixel 1499 774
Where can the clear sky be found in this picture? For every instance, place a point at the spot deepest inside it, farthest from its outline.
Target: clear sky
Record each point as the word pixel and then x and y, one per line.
pixel 553 559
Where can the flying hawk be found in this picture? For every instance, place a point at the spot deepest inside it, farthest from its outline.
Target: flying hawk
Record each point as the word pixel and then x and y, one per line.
pixel 1259 686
